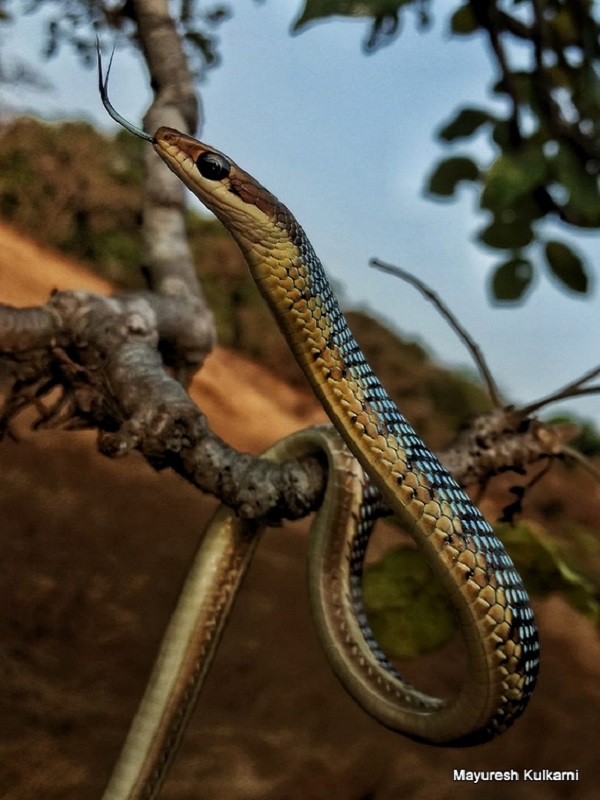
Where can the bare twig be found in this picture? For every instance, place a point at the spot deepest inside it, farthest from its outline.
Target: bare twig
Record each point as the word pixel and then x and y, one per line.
pixel 509 437
pixel 573 389
pixel 461 332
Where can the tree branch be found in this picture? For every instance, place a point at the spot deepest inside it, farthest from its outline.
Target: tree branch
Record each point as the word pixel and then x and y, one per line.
pixel 167 260
pixel 102 355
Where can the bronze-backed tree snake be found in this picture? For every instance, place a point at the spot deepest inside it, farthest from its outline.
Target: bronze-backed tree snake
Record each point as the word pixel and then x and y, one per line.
pixel 378 456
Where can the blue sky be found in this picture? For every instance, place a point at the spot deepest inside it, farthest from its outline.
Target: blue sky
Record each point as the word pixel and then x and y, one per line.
pixel 346 141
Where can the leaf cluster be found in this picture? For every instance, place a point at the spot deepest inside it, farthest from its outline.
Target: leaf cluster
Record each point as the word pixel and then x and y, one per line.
pixel 546 151
pixel 408 611
pixel 386 16
pixel 545 140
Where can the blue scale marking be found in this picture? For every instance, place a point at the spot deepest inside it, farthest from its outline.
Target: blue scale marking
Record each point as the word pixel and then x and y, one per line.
pixel 418 455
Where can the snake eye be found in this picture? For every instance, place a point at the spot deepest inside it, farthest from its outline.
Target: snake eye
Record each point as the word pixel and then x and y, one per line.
pixel 213 166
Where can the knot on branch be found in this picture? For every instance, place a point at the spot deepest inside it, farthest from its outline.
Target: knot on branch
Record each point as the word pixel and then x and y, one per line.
pixel 99 327
pixel 101 354
pixel 502 440
pixel 256 488
pixel 90 361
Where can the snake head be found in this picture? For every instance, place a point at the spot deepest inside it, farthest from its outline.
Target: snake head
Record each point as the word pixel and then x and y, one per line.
pixel 220 184
pixel 255 218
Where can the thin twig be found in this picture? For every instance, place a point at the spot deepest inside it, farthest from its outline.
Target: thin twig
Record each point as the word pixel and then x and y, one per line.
pixel 572 389
pixel 462 334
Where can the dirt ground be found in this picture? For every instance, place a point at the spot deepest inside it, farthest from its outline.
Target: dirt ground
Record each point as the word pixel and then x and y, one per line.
pixel 93 553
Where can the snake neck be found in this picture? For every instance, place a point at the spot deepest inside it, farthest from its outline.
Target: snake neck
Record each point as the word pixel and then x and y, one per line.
pixel 293 281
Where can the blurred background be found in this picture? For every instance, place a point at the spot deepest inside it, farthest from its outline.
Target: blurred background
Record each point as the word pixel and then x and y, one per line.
pixel 352 123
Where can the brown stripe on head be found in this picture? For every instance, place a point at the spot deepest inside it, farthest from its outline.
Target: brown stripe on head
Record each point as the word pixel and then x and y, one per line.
pixel 251 213
pixel 182 154
pixel 252 192
pixel 285 219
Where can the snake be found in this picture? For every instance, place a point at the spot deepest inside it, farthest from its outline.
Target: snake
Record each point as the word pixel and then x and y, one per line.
pixel 374 458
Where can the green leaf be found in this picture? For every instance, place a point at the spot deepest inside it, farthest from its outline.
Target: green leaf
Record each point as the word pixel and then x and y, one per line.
pixel 319 9
pixel 565 26
pixel 583 188
pixel 465 123
pixel 409 613
pixel 567 266
pixel 503 134
pixel 407 610
pixel 513 175
pixel 503 235
pixel 522 213
pixel 544 568
pixel 448 174
pixel 521 83
pixel 463 21
pixel 511 280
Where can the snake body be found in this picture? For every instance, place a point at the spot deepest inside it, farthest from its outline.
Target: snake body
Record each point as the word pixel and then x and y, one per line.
pixel 489 599
pixel 491 604
pixel 206 599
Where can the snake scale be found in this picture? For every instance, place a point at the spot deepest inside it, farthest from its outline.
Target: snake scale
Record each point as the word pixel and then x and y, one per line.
pixel 380 457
